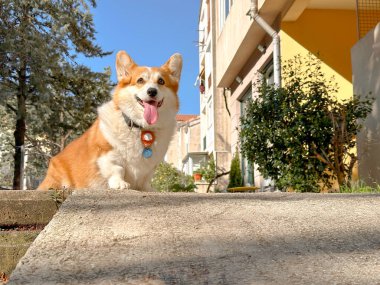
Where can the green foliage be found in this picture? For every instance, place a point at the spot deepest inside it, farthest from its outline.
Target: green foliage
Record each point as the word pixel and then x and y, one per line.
pixel 60 195
pixel 235 176
pixel 360 187
pixel 169 179
pixel 208 171
pixel 300 134
pixel 51 96
pixel 6 149
pixel 68 112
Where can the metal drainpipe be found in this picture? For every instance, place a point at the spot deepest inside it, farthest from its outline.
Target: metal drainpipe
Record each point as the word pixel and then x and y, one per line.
pixel 253 13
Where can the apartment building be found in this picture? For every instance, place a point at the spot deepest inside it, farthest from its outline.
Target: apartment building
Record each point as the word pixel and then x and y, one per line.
pixel 240 40
pixel 184 151
pixel 214 116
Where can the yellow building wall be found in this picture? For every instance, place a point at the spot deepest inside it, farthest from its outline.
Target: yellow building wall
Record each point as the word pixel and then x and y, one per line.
pixel 330 34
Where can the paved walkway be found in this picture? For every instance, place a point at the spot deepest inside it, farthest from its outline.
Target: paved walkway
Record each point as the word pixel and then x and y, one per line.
pixel 124 237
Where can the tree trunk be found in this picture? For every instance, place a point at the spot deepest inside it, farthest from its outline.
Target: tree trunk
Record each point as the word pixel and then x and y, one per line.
pixel 19 133
pixel 216 177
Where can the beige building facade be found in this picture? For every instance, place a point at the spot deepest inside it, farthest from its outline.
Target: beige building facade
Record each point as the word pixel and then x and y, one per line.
pixel 241 41
pixel 184 151
pixel 215 126
pixel 366 79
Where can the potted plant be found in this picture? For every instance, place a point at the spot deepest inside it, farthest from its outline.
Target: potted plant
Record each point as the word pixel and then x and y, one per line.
pixel 197 174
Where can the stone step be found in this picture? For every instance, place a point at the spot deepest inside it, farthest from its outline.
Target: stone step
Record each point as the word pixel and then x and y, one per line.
pixel 27 207
pixel 22 215
pixel 128 237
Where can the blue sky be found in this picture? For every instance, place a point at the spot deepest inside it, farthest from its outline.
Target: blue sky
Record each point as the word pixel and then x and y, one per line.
pixel 150 31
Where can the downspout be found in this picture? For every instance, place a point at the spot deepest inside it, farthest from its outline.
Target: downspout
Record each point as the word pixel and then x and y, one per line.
pixel 254 15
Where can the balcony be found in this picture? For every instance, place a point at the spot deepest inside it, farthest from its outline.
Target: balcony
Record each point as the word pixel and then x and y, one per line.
pixel 240 36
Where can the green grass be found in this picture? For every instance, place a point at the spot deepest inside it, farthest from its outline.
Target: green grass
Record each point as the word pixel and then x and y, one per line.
pixel 360 187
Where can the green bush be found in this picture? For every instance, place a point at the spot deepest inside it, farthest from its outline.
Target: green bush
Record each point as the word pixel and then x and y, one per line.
pixel 236 179
pixel 300 134
pixel 169 179
pixel 208 171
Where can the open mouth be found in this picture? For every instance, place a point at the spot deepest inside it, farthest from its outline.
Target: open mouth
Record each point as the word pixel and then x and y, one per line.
pixel 150 109
pixel 141 102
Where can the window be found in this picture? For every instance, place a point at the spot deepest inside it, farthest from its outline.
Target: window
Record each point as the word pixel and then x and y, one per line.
pixel 246 166
pixel 244 101
pixel 209 114
pixel 210 123
pixel 268 73
pixel 226 8
pixel 187 139
pixel 224 11
pixel 208 67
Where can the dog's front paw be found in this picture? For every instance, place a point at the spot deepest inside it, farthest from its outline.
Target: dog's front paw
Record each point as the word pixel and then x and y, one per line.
pixel 117 183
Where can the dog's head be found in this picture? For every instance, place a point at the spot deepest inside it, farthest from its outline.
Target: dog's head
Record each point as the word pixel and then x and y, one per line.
pixel 147 95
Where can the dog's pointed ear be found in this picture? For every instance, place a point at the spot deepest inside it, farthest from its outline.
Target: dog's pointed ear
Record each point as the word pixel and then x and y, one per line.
pixel 174 64
pixel 124 64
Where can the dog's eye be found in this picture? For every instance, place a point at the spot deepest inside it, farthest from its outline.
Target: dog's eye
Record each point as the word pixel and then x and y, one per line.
pixel 161 81
pixel 140 80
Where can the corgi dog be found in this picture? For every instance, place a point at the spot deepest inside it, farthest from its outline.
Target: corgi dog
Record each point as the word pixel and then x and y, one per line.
pixel 130 136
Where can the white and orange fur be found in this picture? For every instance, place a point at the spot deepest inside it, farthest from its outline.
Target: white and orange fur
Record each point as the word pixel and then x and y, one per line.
pixel 109 153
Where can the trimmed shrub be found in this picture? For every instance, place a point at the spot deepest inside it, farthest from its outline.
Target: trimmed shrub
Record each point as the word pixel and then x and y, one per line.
pixel 167 178
pixel 236 179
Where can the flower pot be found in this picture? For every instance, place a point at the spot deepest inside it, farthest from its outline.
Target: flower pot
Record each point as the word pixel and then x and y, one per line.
pixel 197 176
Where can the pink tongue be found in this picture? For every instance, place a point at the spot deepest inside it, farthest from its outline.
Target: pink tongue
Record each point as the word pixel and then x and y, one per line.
pixel 150 112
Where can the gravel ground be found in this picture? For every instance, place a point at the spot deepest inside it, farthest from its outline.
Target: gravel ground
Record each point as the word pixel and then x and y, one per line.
pixel 125 237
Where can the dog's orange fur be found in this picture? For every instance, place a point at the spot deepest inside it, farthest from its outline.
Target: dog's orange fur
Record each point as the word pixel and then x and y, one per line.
pixel 77 166
pixel 131 80
pixel 84 151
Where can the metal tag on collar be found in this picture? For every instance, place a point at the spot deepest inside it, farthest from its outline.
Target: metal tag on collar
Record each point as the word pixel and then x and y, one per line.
pixel 147 138
pixel 147 152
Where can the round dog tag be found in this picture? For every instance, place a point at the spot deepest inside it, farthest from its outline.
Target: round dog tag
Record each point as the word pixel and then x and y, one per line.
pixel 147 152
pixel 147 138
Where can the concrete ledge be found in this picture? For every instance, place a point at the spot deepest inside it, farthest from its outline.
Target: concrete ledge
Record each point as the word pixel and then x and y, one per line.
pixel 26 207
pixel 123 237
pixel 13 246
pixel 243 189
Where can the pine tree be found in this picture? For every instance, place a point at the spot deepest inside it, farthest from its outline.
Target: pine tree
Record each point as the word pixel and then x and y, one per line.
pixel 68 111
pixel 38 40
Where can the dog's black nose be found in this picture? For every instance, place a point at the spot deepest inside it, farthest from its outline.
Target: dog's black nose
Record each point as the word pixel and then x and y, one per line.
pixel 152 92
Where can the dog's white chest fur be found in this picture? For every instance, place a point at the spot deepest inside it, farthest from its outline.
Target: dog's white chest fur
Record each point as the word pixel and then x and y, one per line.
pixel 125 166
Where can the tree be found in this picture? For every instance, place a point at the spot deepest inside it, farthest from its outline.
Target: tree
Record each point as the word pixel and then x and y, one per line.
pixel 67 112
pixel 210 172
pixel 301 135
pixel 235 172
pixel 6 163
pixel 38 40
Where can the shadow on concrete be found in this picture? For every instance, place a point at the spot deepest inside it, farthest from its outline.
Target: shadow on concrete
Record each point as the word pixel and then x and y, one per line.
pixel 85 202
pixel 329 258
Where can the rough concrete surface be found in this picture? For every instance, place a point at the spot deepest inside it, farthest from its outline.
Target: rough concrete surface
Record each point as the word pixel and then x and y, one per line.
pixel 123 237
pixel 13 245
pixel 26 207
